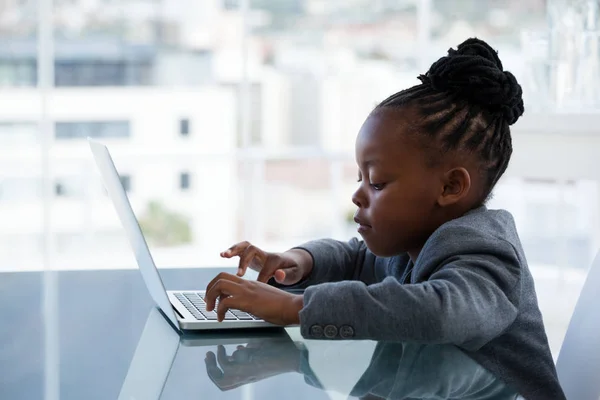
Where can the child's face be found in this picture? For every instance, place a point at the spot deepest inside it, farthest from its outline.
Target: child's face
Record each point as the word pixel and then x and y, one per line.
pixel 398 194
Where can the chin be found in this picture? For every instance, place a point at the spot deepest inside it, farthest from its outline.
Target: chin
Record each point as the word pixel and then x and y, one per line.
pixel 382 250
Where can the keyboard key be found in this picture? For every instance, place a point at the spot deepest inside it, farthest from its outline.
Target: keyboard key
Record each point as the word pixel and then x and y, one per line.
pixel 230 317
pixel 196 305
pixel 191 296
pixel 241 315
pixel 190 307
pixel 198 316
pixel 211 316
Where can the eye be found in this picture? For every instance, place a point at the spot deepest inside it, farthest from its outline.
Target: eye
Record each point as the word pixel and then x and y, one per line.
pixel 378 186
pixel 359 177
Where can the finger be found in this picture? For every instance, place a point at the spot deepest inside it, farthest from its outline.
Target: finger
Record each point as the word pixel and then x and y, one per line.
pixel 270 269
pixel 289 276
pixel 246 258
pixel 235 250
pixel 241 355
pixel 264 275
pixel 224 284
pixel 270 266
pixel 225 305
pixel 212 368
pixel 225 276
pixel 222 288
pixel 223 296
pixel 279 276
pixel 223 358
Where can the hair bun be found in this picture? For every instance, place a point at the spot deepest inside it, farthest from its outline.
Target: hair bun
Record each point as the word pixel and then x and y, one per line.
pixel 474 72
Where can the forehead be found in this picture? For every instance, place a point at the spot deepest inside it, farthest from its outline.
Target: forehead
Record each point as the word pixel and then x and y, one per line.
pixel 385 138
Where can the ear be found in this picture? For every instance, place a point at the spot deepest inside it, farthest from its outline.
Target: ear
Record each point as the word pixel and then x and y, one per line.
pixel 456 186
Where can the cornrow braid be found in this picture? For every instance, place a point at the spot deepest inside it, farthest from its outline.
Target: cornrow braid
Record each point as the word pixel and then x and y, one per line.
pixel 466 101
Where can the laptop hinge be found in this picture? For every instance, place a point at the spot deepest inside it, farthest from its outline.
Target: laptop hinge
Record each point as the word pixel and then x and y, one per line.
pixel 177 312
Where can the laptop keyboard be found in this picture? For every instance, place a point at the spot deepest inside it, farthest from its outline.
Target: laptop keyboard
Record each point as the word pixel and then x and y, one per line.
pixel 195 304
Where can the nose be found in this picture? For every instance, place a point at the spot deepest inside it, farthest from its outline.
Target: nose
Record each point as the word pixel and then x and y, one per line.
pixel 359 198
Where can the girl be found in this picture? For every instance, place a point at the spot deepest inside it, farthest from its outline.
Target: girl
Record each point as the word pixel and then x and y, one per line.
pixel 435 265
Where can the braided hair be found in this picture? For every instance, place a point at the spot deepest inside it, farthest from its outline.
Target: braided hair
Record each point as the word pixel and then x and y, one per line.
pixel 466 101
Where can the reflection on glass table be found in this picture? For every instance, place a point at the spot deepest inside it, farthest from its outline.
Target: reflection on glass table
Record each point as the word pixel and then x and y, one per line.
pixel 259 359
pixel 271 365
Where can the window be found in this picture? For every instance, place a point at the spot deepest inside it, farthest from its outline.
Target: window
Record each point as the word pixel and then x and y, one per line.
pixel 20 189
pixel 102 73
pixel 70 185
pixel 69 242
pixel 13 244
pixel 59 190
pixel 256 102
pixel 184 181
pixel 93 129
pixel 231 4
pixel 15 132
pixel 19 72
pixel 126 182
pixel 184 127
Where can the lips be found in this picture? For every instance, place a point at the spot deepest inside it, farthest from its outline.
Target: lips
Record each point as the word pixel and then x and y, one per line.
pixel 363 227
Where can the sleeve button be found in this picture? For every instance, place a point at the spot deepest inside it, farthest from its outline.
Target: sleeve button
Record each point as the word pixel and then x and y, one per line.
pixel 316 331
pixel 331 331
pixel 346 331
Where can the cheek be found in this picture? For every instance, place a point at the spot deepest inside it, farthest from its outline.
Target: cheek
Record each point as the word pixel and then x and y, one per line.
pixel 424 190
pixel 388 207
pixel 403 205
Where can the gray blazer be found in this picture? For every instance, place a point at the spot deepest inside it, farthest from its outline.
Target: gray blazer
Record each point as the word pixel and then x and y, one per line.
pixel 470 286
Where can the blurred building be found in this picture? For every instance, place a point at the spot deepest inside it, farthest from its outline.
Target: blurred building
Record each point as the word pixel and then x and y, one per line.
pixel 161 83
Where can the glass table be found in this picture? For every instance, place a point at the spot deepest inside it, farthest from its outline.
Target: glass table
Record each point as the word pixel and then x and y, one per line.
pixel 97 335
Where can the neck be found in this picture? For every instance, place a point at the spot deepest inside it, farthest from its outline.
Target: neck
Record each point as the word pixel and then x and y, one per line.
pixel 414 254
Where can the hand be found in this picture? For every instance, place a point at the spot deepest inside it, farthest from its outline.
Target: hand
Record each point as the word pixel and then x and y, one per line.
pixel 265 301
pixel 256 361
pixel 287 268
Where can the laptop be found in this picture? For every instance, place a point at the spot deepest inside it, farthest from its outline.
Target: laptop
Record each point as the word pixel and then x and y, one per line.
pixel 186 310
pixel 159 344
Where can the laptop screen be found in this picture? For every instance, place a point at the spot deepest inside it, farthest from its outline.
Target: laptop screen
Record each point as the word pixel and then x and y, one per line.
pixel 118 196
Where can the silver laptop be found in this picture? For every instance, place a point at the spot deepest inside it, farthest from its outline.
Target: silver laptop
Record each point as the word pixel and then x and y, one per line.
pixel 185 309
